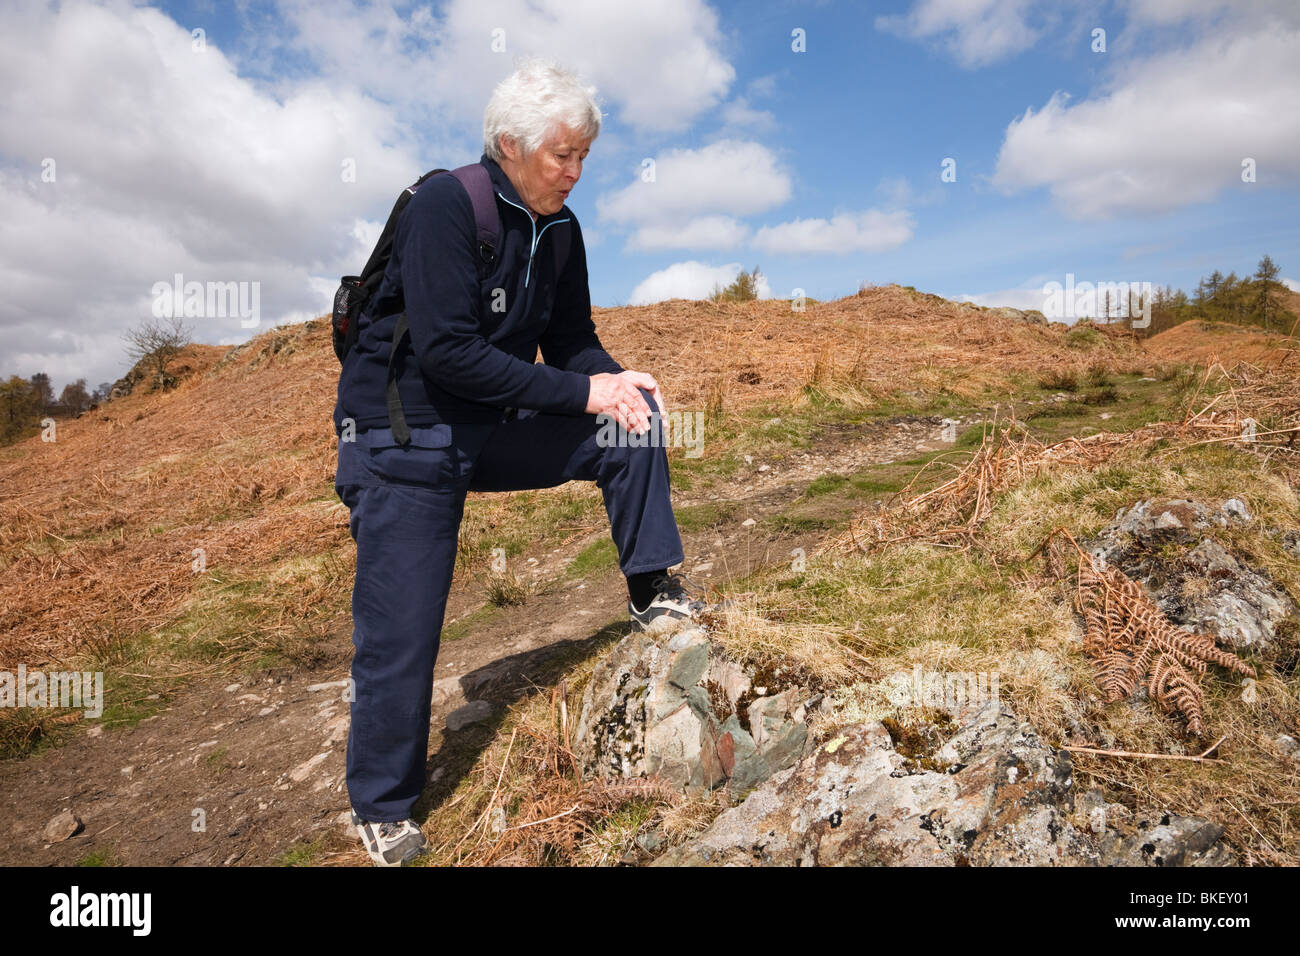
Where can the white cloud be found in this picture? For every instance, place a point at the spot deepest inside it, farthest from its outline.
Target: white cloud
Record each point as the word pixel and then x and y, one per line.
pixel 1032 298
pixel 1291 284
pixel 446 62
pixel 975 32
pixel 690 280
pixel 739 115
pixel 697 193
pixel 1174 130
pixel 165 162
pixel 702 232
pixel 1176 11
pixel 872 230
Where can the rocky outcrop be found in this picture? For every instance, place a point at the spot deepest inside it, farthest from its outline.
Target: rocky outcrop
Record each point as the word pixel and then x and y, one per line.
pixel 675 707
pixel 1166 545
pixel 992 793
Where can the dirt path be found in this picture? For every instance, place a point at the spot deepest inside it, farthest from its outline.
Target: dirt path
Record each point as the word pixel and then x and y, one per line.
pixel 240 773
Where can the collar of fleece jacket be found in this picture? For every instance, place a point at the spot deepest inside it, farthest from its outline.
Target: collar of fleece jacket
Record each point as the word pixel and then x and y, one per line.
pixel 501 182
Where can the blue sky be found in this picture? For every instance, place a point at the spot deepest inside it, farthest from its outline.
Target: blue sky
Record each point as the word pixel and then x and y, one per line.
pixel 217 155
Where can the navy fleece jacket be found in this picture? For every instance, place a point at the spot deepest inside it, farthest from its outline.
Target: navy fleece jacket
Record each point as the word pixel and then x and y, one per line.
pixel 473 343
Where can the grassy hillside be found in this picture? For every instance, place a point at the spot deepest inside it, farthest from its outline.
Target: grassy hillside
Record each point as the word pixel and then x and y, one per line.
pixel 172 539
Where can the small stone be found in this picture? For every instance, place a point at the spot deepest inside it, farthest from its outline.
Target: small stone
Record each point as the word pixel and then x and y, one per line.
pixel 475 712
pixel 650 840
pixel 1288 745
pixel 764 467
pixel 62 827
pixel 748 523
pixel 231 688
pixel 325 686
pixel 337 729
pixel 1236 509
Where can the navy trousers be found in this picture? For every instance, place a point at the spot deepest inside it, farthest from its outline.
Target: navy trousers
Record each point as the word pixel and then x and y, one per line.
pixel 406 505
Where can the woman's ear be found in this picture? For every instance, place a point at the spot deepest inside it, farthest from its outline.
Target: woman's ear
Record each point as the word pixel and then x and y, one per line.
pixel 509 148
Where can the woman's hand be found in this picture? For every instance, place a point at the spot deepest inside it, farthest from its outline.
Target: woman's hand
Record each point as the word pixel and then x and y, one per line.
pixel 619 396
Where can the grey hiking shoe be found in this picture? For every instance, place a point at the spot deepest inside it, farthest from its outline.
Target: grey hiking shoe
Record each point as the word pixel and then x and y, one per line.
pixel 671 605
pixel 391 843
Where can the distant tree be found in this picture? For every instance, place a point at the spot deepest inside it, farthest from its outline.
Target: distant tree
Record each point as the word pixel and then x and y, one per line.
pixel 102 392
pixel 74 398
pixel 19 413
pixel 156 343
pixel 1266 281
pixel 742 289
pixel 42 391
pixel 1212 284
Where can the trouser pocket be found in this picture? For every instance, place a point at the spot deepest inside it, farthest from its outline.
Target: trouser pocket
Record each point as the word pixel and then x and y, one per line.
pixel 428 459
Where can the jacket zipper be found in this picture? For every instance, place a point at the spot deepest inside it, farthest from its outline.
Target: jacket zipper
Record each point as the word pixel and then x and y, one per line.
pixel 536 235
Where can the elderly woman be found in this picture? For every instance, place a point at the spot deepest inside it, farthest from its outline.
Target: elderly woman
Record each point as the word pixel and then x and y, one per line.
pixel 472 411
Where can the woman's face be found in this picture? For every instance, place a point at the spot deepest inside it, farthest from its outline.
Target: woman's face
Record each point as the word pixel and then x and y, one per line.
pixel 544 179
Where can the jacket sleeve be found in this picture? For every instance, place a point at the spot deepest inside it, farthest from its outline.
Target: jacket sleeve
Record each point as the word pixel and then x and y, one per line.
pixel 435 249
pixel 570 341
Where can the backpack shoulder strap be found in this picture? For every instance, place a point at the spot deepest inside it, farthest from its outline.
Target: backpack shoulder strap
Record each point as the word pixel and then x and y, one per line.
pixel 560 244
pixel 487 218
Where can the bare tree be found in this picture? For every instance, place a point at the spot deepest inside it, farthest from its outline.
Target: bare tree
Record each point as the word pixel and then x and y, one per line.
pixel 156 343
pixel 74 398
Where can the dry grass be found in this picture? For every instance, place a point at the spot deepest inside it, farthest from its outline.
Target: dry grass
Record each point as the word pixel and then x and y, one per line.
pixel 99 530
pixel 882 340
pixel 524 802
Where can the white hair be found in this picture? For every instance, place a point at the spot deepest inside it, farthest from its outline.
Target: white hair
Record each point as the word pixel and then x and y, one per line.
pixel 533 102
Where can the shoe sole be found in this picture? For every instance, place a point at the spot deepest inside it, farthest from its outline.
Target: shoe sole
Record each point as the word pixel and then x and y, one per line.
pixel 662 624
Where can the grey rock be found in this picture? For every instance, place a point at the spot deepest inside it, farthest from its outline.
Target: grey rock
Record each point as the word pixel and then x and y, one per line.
pixel 650 840
pixel 62 827
pixel 475 712
pixel 993 794
pixel 669 706
pixel 1167 840
pixel 1191 577
pixel 1235 510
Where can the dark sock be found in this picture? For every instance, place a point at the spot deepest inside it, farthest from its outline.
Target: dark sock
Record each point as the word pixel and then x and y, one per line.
pixel 641 589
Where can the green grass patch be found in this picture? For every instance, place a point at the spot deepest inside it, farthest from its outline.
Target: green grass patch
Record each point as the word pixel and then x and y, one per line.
pixel 302 854
pixel 103 857
pixel 596 558
pixel 706 516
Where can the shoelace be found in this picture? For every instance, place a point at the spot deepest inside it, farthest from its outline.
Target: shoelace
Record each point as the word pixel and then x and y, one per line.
pixel 391 828
pixel 671 586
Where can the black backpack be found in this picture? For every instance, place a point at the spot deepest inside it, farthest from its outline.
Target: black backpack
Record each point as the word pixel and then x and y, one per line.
pixel 355 292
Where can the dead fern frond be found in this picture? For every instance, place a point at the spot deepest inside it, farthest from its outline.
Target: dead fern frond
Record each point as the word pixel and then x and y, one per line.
pixel 1131 641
